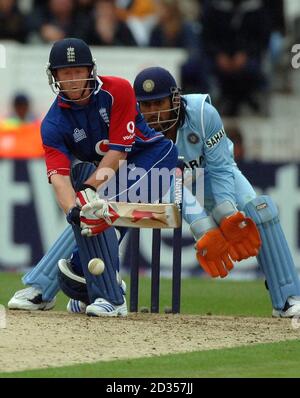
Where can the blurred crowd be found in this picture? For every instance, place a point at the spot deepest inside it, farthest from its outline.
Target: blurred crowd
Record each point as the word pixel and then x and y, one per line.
pixel 233 46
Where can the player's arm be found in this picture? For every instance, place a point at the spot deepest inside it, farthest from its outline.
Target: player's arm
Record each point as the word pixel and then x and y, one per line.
pixel 121 131
pixel 227 234
pixel 64 192
pixel 58 163
pixel 58 170
pixel 108 166
pixel 219 159
pixel 121 139
pixel 239 231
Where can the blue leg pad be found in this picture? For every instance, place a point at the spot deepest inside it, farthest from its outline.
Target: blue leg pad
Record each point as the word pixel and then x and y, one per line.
pixel 44 274
pixel 81 172
pixel 104 246
pixel 274 257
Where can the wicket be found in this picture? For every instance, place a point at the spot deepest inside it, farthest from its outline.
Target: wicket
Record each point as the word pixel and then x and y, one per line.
pixel 134 245
pixel 155 270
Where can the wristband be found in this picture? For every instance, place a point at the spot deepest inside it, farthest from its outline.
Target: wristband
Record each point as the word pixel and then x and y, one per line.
pixel 73 216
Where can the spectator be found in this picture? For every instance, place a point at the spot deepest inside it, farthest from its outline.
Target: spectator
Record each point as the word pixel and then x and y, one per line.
pixel 12 22
pixel 21 109
pixel 278 29
pixel 84 6
pixel 236 36
pixel 35 18
pixel 58 20
pixel 280 43
pixel 20 136
pixel 107 28
pixel 135 8
pixel 191 9
pixel 172 30
pixel 83 17
pixel 139 16
pixel 39 4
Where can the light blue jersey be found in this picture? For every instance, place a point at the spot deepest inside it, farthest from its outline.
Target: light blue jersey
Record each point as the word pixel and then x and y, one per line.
pixel 203 143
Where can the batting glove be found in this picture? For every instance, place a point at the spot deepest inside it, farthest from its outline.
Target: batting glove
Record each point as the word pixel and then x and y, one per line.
pixel 95 218
pixel 86 195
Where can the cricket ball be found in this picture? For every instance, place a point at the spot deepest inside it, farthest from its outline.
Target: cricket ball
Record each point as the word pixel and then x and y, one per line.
pixel 96 266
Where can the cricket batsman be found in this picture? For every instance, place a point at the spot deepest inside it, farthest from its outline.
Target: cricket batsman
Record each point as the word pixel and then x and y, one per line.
pixel 91 129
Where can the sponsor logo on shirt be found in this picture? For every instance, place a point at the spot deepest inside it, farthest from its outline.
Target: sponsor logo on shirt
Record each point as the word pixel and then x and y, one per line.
pixel 194 163
pixel 128 137
pixel 102 147
pixel 104 115
pixel 79 135
pixel 215 139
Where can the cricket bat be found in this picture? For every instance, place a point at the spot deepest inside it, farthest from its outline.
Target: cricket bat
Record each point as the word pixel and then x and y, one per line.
pixel 143 215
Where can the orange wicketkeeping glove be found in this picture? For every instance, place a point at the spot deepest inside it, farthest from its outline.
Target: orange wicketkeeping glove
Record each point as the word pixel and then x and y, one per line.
pixel 242 235
pixel 215 254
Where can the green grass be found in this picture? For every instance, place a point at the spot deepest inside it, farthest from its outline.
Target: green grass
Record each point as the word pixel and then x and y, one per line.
pixel 10 282
pixel 261 360
pixel 199 296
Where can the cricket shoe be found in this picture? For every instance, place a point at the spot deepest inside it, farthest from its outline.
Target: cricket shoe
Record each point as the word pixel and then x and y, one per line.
pixel 30 299
pixel 102 307
pixel 291 308
pixel 76 306
pixel 79 307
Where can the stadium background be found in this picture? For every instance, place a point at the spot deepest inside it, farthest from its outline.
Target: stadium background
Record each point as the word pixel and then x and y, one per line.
pixel 267 141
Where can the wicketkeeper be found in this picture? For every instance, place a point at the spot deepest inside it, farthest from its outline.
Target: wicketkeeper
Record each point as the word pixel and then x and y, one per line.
pixel 235 223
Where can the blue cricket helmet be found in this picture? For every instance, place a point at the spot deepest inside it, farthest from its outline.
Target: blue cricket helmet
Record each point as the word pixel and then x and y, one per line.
pixel 154 83
pixel 70 52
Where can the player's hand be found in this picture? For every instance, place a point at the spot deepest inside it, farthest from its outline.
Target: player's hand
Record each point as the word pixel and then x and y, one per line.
pixel 86 196
pixel 89 223
pixel 95 217
pixel 93 229
pixel 214 253
pixel 89 203
pixel 242 235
